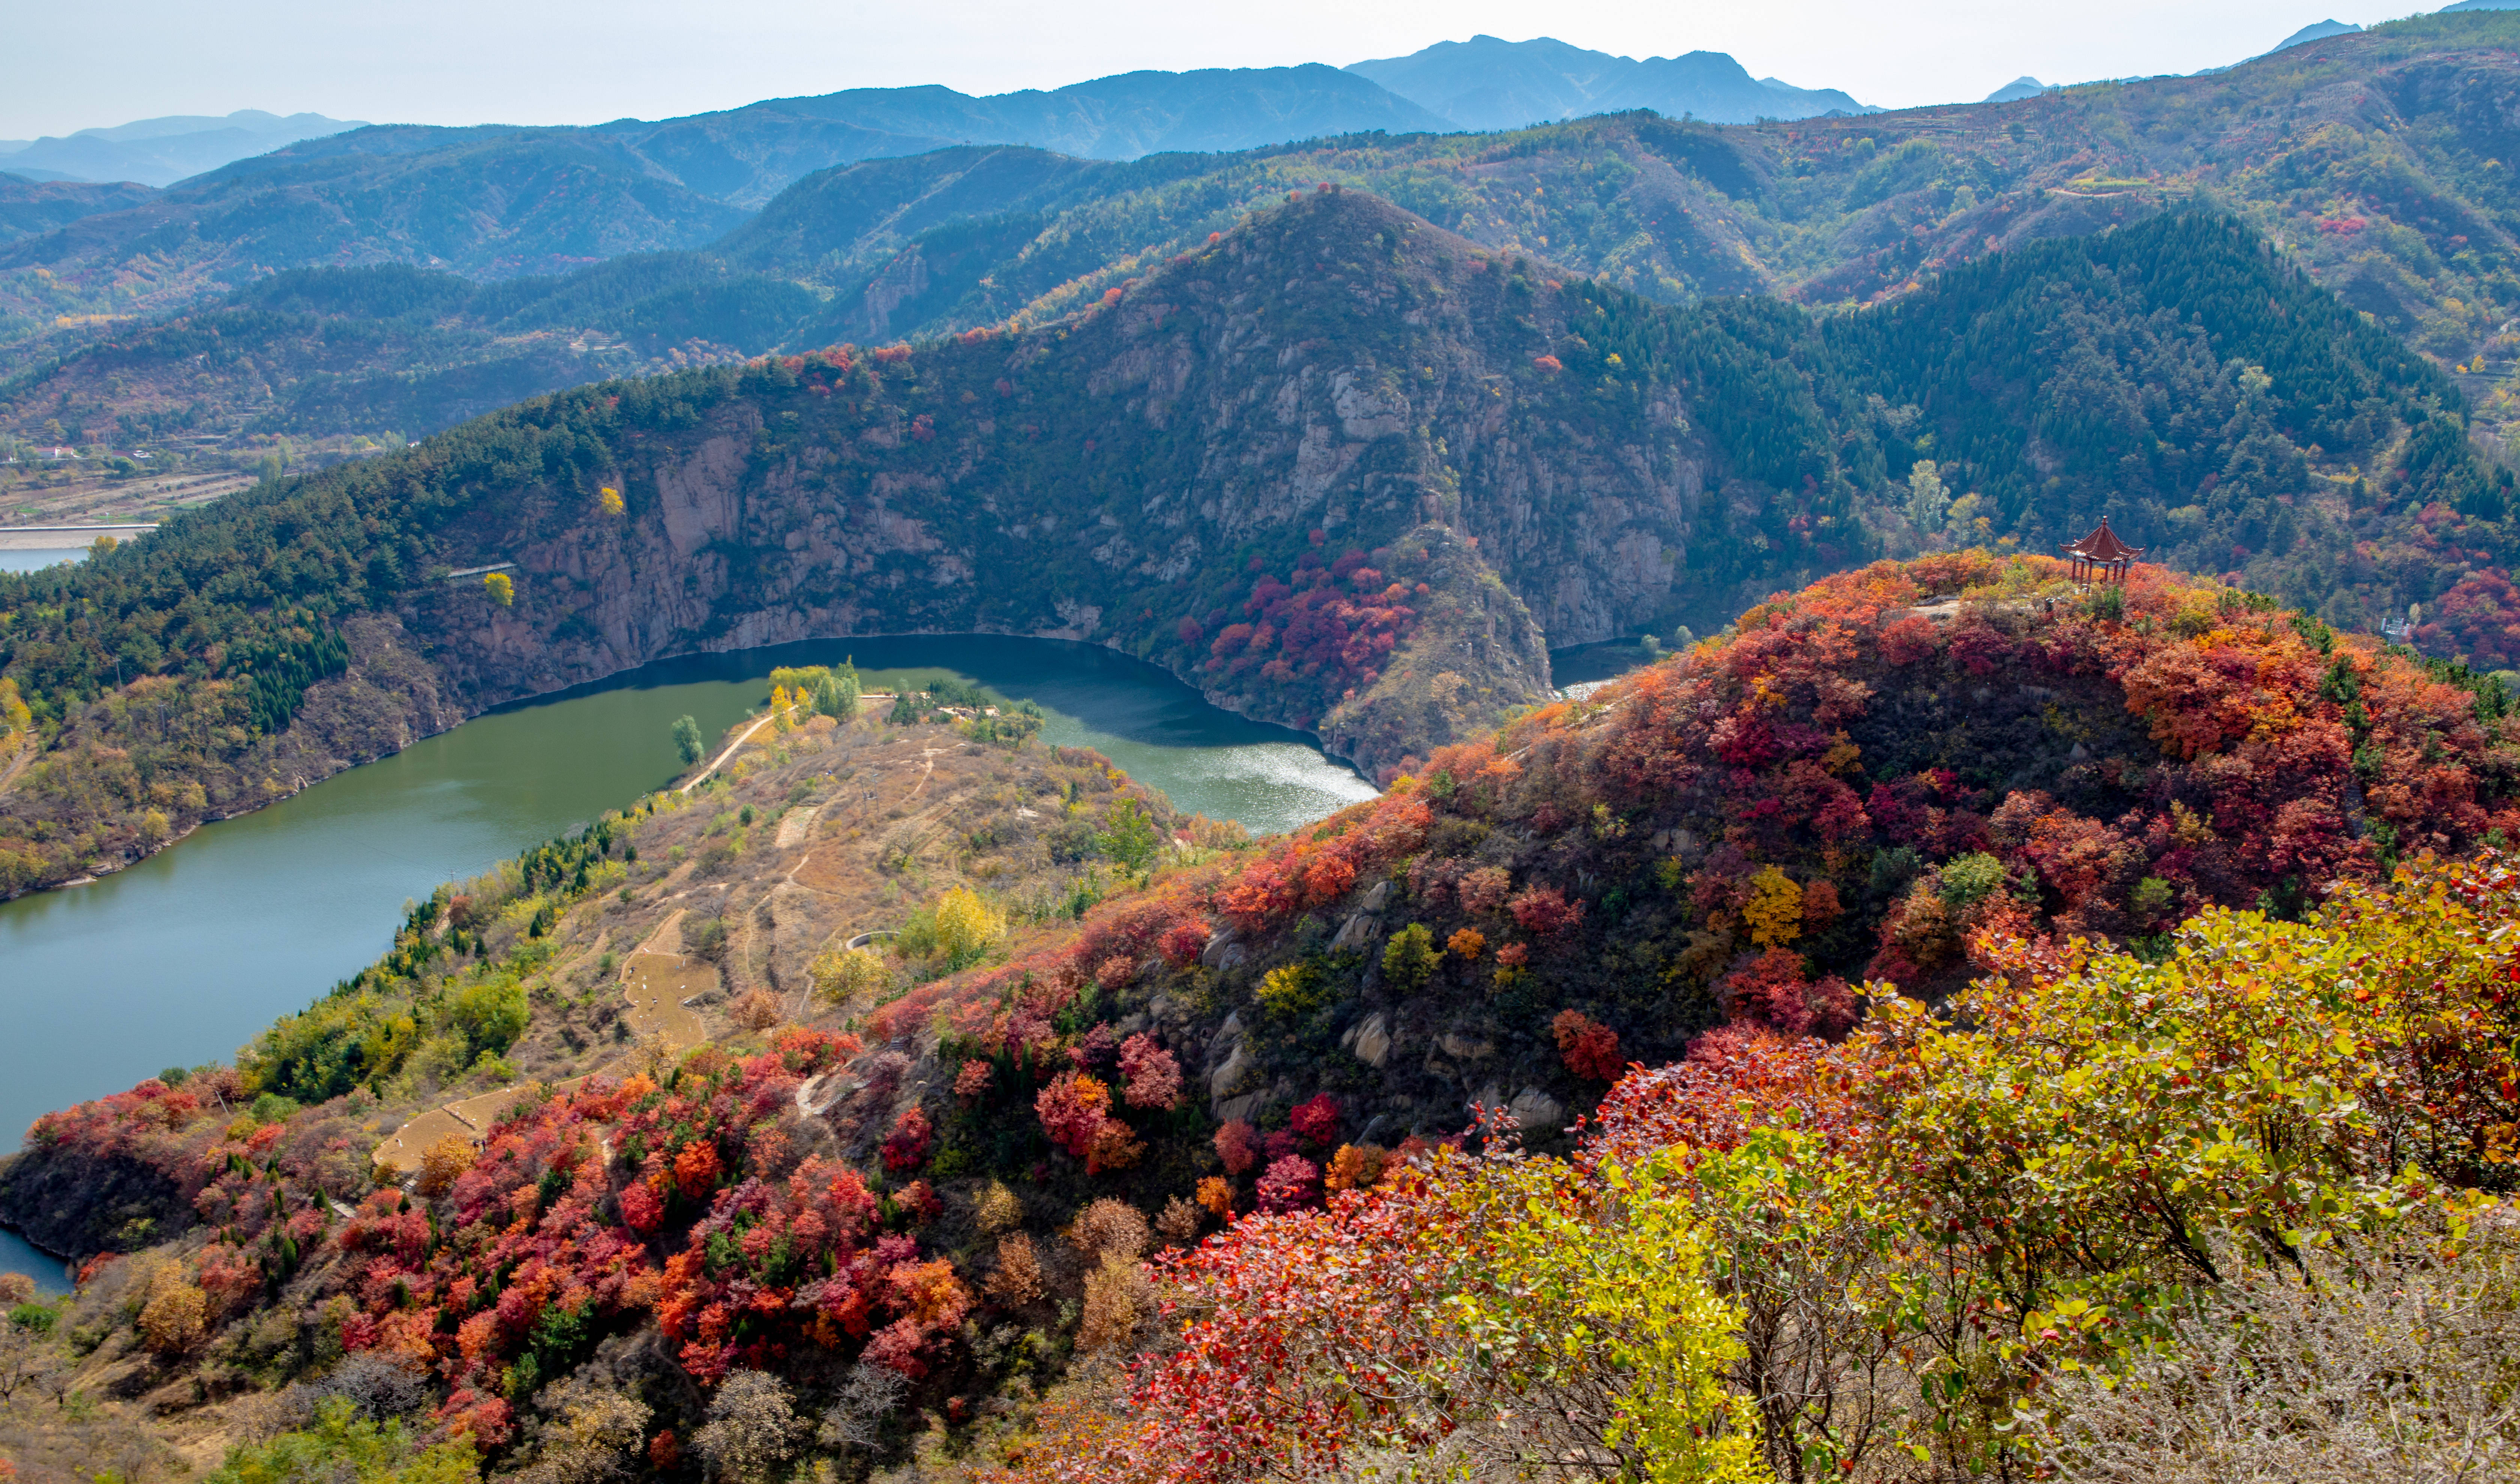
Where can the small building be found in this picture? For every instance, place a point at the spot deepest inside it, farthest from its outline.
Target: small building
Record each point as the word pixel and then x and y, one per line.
pixel 2101 557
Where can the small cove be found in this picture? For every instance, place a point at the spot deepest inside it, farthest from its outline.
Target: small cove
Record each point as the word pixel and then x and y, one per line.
pixel 179 959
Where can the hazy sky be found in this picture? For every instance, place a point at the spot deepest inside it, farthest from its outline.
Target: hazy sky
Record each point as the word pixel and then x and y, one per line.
pixel 586 61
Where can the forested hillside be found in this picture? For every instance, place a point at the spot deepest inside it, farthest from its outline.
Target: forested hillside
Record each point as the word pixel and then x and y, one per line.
pixel 1338 468
pixel 2375 157
pixel 2236 1071
pixel 326 355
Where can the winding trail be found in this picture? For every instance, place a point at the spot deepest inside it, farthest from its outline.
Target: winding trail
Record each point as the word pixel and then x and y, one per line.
pixel 656 980
pixel 656 1016
pixel 766 718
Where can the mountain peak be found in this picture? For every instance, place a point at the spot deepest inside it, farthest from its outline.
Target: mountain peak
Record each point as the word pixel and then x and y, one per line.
pixel 1490 83
pixel 2319 30
pixel 2023 86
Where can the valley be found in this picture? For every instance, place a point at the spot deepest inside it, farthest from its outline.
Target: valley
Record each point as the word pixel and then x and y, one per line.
pixel 203 944
pixel 1098 1012
pixel 1366 774
pixel 1340 469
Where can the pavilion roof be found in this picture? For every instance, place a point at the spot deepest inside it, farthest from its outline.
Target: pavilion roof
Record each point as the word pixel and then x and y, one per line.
pixel 2104 545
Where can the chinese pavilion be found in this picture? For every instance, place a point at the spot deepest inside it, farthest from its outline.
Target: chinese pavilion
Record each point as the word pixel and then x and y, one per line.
pixel 2101 556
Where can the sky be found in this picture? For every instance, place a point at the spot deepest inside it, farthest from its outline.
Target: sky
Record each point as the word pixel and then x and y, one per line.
pixel 588 60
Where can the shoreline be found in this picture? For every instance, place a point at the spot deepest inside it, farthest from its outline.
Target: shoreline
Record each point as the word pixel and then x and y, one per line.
pixel 301 781
pixel 69 1273
pixel 65 537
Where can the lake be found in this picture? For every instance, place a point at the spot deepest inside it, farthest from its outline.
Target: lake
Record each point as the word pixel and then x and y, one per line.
pixel 187 956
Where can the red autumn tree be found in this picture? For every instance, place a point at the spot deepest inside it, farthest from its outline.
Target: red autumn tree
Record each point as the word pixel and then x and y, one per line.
pixel 1154 1079
pixel 1590 1048
pixel 1316 1119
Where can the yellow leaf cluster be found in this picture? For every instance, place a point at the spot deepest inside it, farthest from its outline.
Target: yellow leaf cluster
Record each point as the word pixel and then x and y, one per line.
pixel 1774 913
pixel 966 926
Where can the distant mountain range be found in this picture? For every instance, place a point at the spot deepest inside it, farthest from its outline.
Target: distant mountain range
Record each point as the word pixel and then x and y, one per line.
pixel 1489 83
pixel 1123 116
pixel 160 151
pixel 497 202
pixel 909 211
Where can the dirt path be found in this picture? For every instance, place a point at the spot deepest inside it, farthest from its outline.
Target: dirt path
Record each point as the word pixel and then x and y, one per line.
pixel 656 981
pixel 470 1119
pixel 17 764
pixel 720 760
pixel 655 978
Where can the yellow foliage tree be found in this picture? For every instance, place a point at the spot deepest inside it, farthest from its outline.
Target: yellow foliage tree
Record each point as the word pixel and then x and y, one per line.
pixel 442 1161
pixel 173 1311
pixel 1575 1296
pixel 996 1208
pixel 16 723
pixel 501 590
pixel 610 499
pixel 1774 913
pixel 844 975
pixel 966 926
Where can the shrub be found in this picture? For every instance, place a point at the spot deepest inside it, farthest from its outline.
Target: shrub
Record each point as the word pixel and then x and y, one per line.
pixel 1354 1167
pixel 2386 1359
pixel 1117 1297
pixel 1016 1279
pixel 342 1445
pixel 1237 1143
pixel 966 927
pixel 1545 910
pixel 755 1010
pixel 996 1208
pixel 1774 913
pixel 1411 957
pixel 847 976
pixel 906 1147
pixel 172 1311
pixel 1154 1079
pixel 1180 1219
pixel 752 1428
pixel 1484 890
pixel 1316 1119
pixel 1291 1184
pixel 1295 990
pixel 1590 1048
pixel 441 1162
pixel 1111 1227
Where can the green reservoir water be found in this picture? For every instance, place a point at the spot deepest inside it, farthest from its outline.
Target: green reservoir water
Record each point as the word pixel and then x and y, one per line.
pixel 187 956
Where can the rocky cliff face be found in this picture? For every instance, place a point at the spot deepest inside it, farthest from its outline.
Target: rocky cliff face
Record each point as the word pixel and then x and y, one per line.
pixel 1337 377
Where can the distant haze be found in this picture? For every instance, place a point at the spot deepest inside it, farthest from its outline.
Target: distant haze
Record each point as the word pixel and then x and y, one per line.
pixel 581 62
